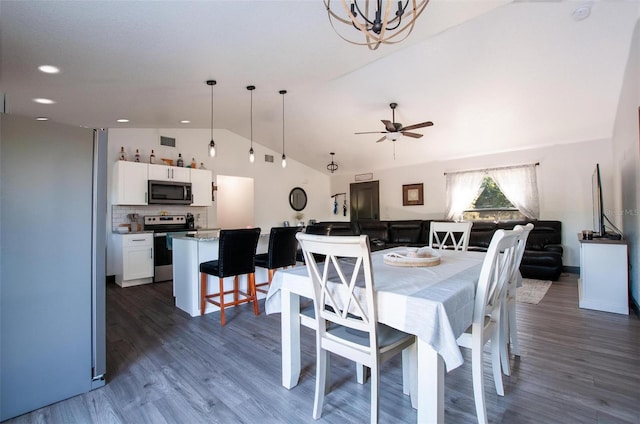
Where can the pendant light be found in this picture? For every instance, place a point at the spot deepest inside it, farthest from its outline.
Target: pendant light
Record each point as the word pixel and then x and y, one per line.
pixel 212 144
pixel 284 157
pixel 252 158
pixel 332 167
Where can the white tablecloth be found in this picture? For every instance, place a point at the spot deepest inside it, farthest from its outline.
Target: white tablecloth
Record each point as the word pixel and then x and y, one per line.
pixel 434 303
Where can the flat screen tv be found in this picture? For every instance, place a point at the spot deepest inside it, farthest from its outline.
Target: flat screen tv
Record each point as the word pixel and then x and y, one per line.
pixel 598 209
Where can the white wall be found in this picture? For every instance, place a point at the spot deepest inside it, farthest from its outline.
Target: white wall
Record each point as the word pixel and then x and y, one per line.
pixel 626 138
pixel 564 184
pixel 272 183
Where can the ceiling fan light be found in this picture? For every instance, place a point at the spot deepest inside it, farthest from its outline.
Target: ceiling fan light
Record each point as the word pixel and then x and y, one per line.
pixel 393 136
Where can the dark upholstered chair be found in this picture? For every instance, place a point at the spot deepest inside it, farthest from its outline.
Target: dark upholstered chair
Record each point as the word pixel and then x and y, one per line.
pixel 283 247
pixel 236 256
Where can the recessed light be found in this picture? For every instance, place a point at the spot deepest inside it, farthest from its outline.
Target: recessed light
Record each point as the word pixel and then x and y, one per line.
pixel 122 120
pixel 48 69
pixel 42 118
pixel 44 101
pixel 185 121
pixel 582 12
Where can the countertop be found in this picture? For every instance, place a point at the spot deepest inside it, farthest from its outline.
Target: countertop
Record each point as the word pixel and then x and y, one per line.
pixel 131 232
pixel 210 235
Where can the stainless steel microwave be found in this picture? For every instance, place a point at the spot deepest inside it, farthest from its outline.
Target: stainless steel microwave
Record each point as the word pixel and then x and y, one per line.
pixel 170 192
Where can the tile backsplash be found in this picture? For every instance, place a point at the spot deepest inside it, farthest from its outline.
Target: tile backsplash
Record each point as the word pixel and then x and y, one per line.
pixel 119 214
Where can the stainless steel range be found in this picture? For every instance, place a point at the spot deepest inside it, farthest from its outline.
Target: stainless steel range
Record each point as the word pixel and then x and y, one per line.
pixel 164 227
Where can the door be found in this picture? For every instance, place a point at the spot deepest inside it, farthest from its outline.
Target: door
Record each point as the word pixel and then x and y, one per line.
pixel 46 308
pixel 365 201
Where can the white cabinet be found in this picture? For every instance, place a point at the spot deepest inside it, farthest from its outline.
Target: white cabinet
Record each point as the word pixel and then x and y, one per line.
pixel 133 259
pixel 201 187
pixel 169 173
pixel 130 183
pixel 604 272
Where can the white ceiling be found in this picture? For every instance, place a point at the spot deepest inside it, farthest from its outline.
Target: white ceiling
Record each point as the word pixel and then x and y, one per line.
pixel 492 75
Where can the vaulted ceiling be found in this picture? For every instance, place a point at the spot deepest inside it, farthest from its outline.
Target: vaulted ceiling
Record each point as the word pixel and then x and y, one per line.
pixel 493 75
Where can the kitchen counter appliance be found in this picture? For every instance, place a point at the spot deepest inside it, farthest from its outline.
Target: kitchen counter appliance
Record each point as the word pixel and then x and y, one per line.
pixel 170 192
pixel 164 226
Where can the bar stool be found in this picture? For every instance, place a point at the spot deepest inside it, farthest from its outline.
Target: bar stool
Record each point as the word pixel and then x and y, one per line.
pixel 283 248
pixel 236 256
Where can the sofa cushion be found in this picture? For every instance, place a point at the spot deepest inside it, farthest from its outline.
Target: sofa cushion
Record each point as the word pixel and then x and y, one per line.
pixel 341 229
pixel 481 234
pixel 424 232
pixel 376 230
pixel 404 232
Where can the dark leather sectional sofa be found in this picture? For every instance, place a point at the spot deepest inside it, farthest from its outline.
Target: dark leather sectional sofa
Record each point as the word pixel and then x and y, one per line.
pixel 542 257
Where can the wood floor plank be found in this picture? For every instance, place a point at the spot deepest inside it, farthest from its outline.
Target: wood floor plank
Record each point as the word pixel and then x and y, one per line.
pixel 163 366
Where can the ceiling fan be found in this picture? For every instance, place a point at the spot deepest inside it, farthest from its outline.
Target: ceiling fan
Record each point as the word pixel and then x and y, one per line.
pixel 394 130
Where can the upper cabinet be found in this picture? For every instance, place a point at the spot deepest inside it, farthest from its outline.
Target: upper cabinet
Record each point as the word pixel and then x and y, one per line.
pixel 201 187
pixel 130 183
pixel 169 173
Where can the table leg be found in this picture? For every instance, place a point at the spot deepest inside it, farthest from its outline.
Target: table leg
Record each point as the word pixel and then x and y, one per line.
pixel 290 324
pixel 430 385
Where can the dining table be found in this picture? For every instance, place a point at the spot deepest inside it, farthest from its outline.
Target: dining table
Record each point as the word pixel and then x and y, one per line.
pixel 435 303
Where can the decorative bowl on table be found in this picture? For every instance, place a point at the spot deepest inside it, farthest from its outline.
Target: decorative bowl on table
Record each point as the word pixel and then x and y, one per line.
pixel 413 257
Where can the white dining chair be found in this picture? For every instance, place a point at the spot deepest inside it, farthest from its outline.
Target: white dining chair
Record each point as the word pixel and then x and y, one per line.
pixel 449 235
pixel 485 327
pixel 346 315
pixel 509 328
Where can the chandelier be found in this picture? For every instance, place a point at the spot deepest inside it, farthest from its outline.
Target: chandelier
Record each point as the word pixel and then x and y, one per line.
pixel 333 167
pixel 381 22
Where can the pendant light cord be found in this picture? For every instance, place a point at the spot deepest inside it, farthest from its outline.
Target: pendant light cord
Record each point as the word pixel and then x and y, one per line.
pixel 283 92
pixel 251 90
pixel 211 111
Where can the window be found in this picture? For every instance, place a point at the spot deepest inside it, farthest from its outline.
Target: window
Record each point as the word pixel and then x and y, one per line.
pixel 491 204
pixel 505 193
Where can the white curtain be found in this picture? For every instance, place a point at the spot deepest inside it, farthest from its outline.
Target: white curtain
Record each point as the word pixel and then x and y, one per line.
pixel 519 185
pixel 462 188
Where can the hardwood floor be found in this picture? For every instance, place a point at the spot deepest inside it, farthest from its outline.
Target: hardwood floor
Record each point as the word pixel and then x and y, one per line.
pixel 577 366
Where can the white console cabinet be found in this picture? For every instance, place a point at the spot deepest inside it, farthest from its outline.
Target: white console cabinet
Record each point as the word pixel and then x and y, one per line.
pixel 133 258
pixel 604 275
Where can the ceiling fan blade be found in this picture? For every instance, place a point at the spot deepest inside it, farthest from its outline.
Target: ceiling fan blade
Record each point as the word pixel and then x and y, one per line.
pixel 416 126
pixel 372 132
pixel 412 135
pixel 381 139
pixel 389 125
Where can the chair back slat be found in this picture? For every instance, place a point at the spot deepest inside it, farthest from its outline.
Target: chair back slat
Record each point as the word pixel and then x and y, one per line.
pixel 343 282
pixel 494 275
pixel 450 235
pixel 521 245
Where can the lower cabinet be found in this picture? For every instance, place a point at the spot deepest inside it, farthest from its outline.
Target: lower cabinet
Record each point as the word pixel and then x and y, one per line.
pixel 604 275
pixel 133 259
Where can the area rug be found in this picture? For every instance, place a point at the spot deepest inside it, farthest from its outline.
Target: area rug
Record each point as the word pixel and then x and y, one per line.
pixel 532 291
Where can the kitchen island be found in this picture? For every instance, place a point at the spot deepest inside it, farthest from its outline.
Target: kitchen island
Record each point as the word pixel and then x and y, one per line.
pixel 188 254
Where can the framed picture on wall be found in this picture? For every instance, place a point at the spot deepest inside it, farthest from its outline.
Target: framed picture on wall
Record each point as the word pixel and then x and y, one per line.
pixel 412 194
